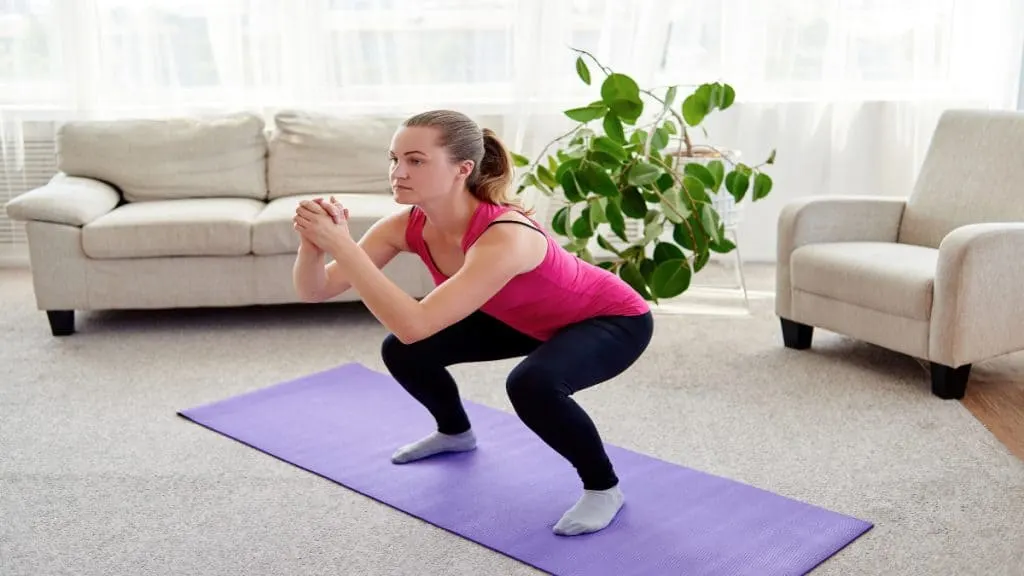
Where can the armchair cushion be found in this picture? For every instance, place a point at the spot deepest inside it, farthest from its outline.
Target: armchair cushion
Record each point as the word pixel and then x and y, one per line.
pixel 892 278
pixel 971 174
pixel 193 227
pixel 65 200
pixel 823 219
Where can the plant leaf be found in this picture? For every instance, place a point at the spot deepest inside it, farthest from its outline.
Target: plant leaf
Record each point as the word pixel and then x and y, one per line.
pixel 632 276
pixel 582 227
pixel 694 109
pixel 675 211
pixel 621 94
pixel 736 182
pixel 717 170
pixel 586 113
pixel 695 189
pixel 572 164
pixel 728 96
pixel 604 159
pixel 606 144
pixel 723 246
pixel 546 176
pixel 633 203
pixel 709 219
pixel 643 173
pixel 616 220
pixel 660 138
pixel 700 172
pixel 582 70
pixel 595 179
pixel 700 260
pixel 571 188
pixel 762 185
pixel 670 96
pixel 664 251
pixel 613 128
pixel 558 221
pixel 519 160
pixel 597 216
pixel 671 278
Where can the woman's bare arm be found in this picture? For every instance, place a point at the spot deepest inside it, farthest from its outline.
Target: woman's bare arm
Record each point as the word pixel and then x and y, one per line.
pixel 315 282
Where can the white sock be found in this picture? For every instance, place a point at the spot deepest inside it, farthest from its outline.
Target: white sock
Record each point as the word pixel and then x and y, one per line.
pixel 436 443
pixel 594 511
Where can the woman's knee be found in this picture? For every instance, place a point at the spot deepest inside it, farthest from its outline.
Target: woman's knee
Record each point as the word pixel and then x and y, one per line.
pixel 395 353
pixel 529 382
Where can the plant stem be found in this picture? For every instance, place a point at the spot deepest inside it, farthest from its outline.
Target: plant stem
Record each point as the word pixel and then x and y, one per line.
pixel 534 164
pixel 679 118
pixel 604 68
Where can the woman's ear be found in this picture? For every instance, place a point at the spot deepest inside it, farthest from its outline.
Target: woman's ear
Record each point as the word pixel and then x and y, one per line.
pixel 465 169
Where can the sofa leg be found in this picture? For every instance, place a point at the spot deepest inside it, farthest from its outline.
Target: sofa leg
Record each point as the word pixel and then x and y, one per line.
pixel 62 322
pixel 949 383
pixel 796 335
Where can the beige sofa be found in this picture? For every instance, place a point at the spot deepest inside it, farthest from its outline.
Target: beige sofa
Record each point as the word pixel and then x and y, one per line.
pixel 196 212
pixel 936 275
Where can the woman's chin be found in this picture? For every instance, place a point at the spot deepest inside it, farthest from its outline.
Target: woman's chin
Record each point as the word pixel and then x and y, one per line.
pixel 403 196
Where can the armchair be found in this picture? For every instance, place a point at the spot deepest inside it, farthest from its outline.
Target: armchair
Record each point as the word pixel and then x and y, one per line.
pixel 936 275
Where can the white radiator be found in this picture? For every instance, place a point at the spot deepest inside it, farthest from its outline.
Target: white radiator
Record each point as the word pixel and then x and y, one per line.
pixel 27 160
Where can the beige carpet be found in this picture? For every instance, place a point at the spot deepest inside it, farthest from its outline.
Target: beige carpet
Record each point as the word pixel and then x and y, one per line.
pixel 98 476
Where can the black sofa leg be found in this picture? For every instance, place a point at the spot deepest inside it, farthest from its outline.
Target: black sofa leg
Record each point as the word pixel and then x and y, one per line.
pixel 796 335
pixel 62 322
pixel 949 383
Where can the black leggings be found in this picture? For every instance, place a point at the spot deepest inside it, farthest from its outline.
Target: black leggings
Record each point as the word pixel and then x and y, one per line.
pixel 539 387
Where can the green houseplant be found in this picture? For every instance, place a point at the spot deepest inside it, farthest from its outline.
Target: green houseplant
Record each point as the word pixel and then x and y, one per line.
pixel 611 173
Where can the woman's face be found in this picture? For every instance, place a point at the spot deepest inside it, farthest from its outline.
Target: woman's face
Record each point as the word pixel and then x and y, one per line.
pixel 421 169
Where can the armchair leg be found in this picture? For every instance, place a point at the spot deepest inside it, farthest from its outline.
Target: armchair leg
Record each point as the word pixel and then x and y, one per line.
pixel 949 383
pixel 62 322
pixel 796 335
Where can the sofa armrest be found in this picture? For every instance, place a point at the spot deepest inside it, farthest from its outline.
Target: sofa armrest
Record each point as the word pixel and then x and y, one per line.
pixel 820 219
pixel 70 200
pixel 978 305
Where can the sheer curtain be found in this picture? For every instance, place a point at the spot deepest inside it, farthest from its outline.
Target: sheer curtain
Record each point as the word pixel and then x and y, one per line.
pixel 847 90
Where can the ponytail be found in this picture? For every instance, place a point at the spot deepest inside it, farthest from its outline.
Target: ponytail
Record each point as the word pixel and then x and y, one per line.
pixel 492 180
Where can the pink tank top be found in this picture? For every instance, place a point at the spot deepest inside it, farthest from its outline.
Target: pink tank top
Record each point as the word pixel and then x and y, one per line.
pixel 562 290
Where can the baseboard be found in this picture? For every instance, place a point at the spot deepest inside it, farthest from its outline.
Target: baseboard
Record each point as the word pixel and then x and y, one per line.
pixel 14 256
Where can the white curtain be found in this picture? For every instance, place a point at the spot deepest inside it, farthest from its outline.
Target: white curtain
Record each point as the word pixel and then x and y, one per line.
pixel 847 91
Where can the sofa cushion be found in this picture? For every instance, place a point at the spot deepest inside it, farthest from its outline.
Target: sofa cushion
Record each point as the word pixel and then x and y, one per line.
pixel 888 277
pixel 166 159
pixel 273 232
pixel 312 153
pixel 193 227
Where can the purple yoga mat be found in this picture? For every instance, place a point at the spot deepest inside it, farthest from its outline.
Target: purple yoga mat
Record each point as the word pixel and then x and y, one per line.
pixel 344 423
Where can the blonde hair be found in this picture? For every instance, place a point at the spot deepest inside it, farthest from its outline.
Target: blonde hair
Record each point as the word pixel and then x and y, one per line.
pixel 491 179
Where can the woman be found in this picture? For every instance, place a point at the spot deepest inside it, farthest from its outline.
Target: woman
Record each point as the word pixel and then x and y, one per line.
pixel 504 289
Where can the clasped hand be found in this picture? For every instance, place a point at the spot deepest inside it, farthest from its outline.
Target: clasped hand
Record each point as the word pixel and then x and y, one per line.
pixel 322 223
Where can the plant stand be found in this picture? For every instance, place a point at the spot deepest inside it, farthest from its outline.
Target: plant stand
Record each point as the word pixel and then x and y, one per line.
pixel 732 215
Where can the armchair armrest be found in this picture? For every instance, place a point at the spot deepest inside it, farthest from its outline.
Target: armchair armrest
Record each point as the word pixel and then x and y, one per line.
pixel 820 219
pixel 70 200
pixel 978 305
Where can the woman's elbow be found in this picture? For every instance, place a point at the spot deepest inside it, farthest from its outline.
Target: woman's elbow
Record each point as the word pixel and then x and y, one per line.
pixel 308 296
